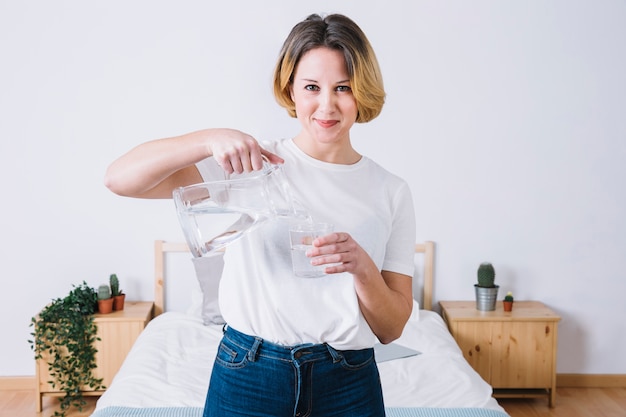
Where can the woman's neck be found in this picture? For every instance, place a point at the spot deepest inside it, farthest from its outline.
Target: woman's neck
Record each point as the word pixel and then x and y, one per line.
pixel 335 153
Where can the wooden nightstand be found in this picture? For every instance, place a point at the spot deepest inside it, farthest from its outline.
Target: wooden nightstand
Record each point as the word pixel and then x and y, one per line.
pixel 515 352
pixel 117 331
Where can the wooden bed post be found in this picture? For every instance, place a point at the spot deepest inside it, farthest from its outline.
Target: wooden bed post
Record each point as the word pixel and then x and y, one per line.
pixel 428 249
pixel 159 296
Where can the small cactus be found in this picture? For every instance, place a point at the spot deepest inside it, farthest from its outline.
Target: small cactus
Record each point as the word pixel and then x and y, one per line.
pixel 508 296
pixel 486 275
pixel 114 282
pixel 104 292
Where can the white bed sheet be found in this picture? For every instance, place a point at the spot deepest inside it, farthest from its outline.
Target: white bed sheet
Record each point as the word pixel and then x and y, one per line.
pixel 170 366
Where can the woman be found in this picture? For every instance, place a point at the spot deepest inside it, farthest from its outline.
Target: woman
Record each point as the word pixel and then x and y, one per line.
pixel 297 346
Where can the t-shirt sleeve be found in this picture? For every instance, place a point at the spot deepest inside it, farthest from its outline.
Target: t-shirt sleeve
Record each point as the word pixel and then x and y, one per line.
pixel 400 251
pixel 210 170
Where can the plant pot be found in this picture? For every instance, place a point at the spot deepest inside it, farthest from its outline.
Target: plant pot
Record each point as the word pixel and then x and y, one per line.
pixel 105 306
pixel 486 297
pixel 508 305
pixel 118 302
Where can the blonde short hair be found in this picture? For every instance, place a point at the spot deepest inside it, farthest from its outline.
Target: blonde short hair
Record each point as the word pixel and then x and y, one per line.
pixel 340 33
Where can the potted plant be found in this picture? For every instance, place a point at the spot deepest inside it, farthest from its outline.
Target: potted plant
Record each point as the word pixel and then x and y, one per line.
pixel 486 290
pixel 105 301
pixel 508 301
pixel 64 335
pixel 117 294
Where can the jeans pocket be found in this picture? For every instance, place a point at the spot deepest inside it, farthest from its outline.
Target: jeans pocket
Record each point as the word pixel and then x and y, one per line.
pixel 231 355
pixel 357 359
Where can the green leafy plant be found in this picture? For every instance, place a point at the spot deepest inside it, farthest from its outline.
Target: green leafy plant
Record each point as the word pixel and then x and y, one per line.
pixel 508 296
pixel 486 275
pixel 114 282
pixel 64 335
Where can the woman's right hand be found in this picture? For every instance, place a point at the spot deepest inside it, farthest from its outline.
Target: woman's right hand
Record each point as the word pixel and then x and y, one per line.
pixel 238 152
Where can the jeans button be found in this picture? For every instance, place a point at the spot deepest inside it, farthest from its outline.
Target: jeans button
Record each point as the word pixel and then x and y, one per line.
pixel 297 355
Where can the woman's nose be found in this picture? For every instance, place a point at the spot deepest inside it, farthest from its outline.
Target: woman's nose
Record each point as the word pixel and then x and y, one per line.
pixel 327 100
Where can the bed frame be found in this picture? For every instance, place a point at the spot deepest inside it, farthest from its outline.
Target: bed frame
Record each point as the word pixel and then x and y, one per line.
pixel 449 388
pixel 162 248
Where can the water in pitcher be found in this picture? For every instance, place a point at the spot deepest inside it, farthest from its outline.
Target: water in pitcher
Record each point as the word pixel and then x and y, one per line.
pixel 228 224
pixel 215 214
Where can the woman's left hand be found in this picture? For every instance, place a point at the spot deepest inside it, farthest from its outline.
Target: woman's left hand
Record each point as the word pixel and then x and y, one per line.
pixel 341 253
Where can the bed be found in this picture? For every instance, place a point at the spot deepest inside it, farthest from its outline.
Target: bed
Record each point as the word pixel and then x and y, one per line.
pixel 167 371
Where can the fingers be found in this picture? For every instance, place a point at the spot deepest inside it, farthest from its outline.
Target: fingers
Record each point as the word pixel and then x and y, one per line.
pixel 338 247
pixel 252 159
pixel 272 158
pixel 238 152
pixel 247 155
pixel 339 252
pixel 336 237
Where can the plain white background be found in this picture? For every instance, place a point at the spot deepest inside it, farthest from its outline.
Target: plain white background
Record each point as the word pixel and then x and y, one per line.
pixel 506 118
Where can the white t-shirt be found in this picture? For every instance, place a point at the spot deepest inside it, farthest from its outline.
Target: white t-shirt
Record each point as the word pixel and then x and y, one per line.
pixel 259 294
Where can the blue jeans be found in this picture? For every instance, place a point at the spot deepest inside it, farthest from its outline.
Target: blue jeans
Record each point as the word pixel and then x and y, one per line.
pixel 252 377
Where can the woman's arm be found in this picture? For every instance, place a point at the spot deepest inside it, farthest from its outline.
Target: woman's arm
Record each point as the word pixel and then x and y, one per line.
pixel 386 304
pixel 154 169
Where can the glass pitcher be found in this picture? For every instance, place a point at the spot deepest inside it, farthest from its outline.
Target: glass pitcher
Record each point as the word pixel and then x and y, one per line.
pixel 217 213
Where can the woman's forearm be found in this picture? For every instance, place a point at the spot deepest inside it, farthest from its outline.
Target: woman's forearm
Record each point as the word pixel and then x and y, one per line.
pixel 155 168
pixel 386 304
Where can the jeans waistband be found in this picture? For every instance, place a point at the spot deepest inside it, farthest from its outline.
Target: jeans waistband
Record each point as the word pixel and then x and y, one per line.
pixel 258 346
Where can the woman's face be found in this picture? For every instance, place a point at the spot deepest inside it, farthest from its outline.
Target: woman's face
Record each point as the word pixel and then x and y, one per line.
pixel 321 91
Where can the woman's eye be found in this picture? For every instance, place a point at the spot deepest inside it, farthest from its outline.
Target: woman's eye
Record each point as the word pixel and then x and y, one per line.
pixel 311 87
pixel 344 88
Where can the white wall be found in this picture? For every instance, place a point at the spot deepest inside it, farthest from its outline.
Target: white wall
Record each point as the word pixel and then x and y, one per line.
pixel 506 118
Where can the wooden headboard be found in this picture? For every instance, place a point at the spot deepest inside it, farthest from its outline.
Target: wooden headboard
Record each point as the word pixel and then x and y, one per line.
pixel 162 248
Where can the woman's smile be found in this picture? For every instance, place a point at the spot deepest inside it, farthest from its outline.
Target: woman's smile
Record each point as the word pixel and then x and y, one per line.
pixel 327 123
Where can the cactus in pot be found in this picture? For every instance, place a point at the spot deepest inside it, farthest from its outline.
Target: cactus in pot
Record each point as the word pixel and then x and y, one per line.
pixel 486 275
pixel 104 293
pixel 114 282
pixel 105 301
pixel 486 290
pixel 116 292
pixel 507 303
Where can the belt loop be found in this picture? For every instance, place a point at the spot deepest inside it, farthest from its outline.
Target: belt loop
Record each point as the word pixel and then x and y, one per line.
pixel 254 350
pixel 337 357
pixel 224 327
